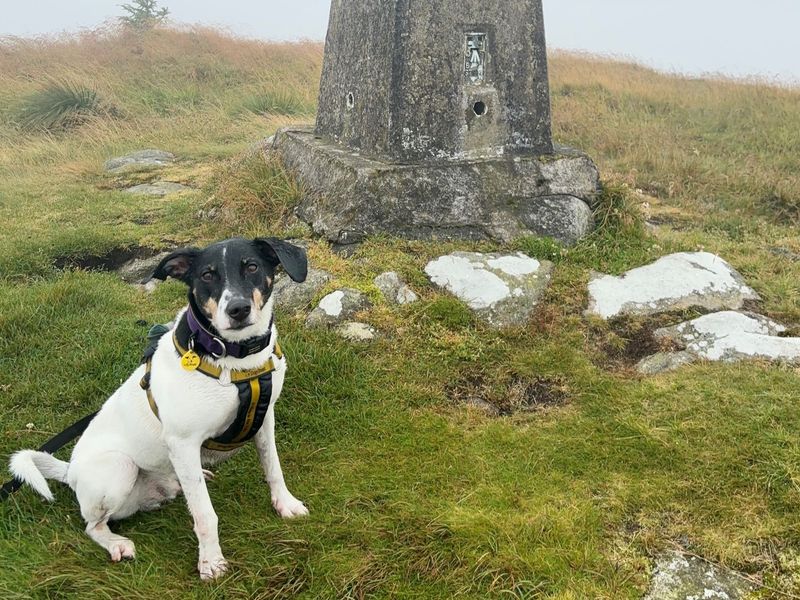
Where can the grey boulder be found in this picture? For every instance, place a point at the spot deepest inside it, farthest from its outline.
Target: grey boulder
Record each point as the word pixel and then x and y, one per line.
pixel 159 188
pixel 139 270
pixel 679 577
pixel 337 307
pixel 663 362
pixel 394 289
pixel 564 218
pixel 143 159
pixel 293 296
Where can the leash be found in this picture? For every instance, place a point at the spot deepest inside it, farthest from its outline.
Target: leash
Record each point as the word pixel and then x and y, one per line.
pixel 51 447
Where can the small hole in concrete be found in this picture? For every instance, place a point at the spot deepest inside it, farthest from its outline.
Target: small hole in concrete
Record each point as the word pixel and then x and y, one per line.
pixel 351 100
pixel 479 108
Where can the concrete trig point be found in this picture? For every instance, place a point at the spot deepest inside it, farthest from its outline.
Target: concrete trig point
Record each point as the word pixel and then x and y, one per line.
pixel 434 122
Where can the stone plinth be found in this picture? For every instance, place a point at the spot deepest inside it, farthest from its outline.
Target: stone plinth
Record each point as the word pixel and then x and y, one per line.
pixel 348 196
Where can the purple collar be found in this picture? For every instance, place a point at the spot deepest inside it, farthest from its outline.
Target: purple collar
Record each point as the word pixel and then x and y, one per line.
pixel 204 341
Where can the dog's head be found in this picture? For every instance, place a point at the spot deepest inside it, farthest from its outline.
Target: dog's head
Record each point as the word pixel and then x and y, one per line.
pixel 231 281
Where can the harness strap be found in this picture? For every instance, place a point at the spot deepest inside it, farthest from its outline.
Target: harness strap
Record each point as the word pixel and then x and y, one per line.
pixel 145 385
pixel 255 395
pixel 212 370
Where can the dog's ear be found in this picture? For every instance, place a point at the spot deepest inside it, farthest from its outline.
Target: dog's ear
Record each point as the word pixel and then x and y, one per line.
pixel 177 265
pixel 292 258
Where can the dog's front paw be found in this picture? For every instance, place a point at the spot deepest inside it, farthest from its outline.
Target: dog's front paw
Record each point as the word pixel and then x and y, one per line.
pixel 122 549
pixel 289 507
pixel 211 568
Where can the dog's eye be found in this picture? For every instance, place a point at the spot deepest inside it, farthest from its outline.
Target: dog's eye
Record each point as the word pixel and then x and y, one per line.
pixel 208 276
pixel 252 268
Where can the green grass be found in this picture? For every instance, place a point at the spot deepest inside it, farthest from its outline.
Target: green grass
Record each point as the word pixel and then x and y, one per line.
pixel 411 493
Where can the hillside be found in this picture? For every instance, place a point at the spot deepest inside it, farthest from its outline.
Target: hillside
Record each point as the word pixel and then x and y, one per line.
pixel 412 492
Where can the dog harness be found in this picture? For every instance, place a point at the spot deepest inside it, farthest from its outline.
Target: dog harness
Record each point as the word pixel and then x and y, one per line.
pixel 254 385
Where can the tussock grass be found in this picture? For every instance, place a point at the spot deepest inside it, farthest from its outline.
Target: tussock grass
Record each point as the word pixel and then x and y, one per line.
pixel 412 493
pixel 59 106
pixel 281 102
pixel 258 189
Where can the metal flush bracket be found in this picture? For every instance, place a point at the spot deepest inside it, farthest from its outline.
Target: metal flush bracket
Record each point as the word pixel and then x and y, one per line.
pixel 475 58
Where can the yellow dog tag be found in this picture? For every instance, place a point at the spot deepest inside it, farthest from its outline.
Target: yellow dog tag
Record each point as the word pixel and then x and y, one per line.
pixel 190 361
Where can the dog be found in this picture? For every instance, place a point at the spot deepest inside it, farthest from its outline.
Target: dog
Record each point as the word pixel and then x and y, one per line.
pixel 217 372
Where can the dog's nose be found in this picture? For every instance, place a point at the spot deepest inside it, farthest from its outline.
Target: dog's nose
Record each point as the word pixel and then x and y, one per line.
pixel 238 310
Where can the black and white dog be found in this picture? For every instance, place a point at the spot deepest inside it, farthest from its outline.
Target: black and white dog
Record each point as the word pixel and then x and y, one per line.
pixel 214 376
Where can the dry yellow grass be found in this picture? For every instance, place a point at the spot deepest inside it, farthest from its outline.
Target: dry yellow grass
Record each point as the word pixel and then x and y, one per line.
pixel 708 143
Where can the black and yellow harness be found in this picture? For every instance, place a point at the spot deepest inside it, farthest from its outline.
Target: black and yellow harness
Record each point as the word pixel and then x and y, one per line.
pixel 254 386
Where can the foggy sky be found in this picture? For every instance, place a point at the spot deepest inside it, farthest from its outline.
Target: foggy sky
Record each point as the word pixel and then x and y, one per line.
pixel 733 37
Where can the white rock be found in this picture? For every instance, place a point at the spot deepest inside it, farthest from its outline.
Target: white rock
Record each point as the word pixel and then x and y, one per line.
pixel 332 303
pixel 501 289
pixel 356 332
pixel 515 265
pixel 730 336
pixel 674 282
pixel 468 280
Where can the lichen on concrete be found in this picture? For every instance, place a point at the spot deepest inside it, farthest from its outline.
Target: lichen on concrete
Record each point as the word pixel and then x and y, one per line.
pixel 347 196
pixel 435 124
pixel 401 90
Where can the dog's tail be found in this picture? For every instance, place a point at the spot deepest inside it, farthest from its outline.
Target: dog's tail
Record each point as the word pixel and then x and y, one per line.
pixel 34 468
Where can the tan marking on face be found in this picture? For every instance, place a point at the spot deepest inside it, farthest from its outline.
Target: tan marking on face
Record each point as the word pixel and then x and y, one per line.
pixel 269 281
pixel 210 307
pixel 258 298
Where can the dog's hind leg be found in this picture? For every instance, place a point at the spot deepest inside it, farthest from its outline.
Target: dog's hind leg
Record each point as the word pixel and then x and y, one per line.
pixel 119 547
pixel 104 485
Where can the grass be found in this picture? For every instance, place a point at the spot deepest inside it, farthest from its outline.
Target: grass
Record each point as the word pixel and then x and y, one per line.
pixel 59 106
pixel 280 102
pixel 412 493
